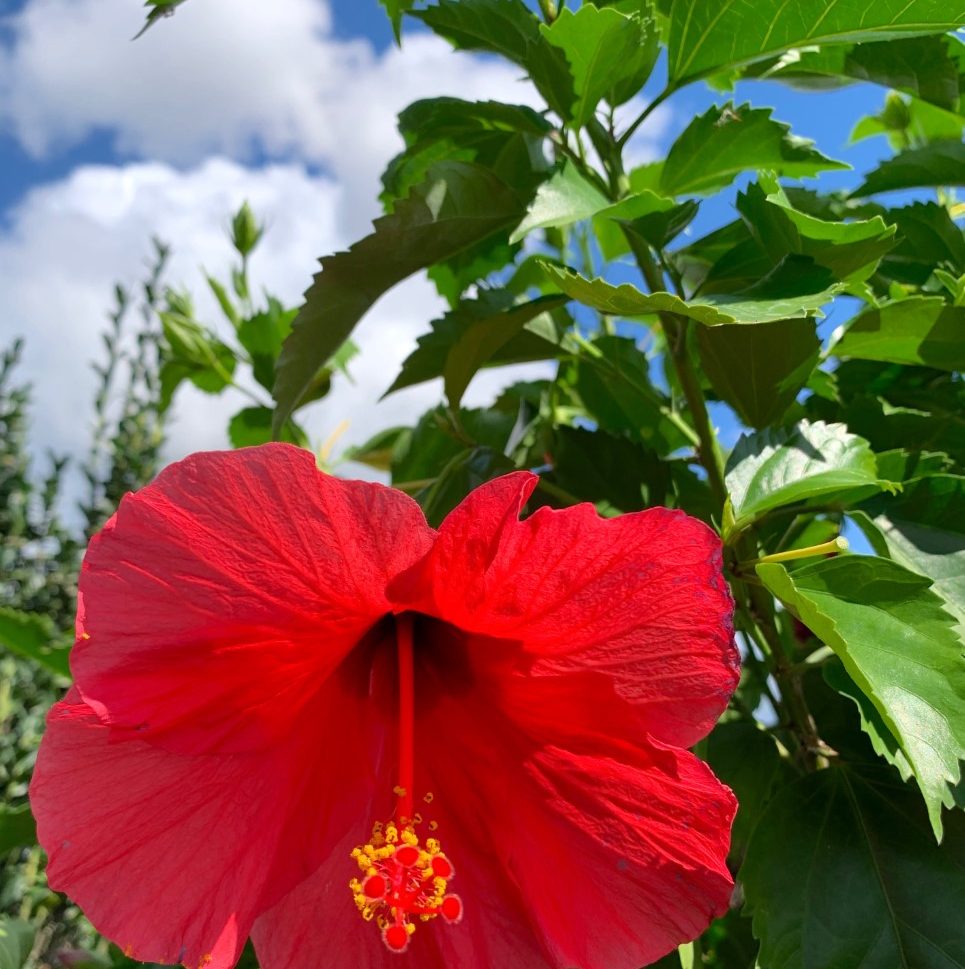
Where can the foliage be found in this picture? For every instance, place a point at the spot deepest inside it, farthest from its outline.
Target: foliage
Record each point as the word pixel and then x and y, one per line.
pixel 845 737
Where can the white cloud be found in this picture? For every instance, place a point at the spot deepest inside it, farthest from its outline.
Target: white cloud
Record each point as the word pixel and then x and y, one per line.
pixel 67 244
pixel 227 77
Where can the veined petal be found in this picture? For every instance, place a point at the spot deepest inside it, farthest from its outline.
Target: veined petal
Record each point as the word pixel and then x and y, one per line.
pixel 218 599
pixel 174 856
pixel 640 599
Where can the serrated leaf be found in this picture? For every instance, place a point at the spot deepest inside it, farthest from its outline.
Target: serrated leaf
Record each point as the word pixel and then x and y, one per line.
pixel 842 871
pixel 923 528
pixel 395 10
pixel 899 646
pixel 565 198
pixel 159 10
pixel 604 49
pixel 490 329
pixel 708 38
pixel 850 250
pixel 615 388
pixel 651 217
pixel 725 141
pixel 920 66
pixel 508 28
pixel 627 300
pixel 759 370
pixel 17 828
pixel 937 164
pixel 784 466
pixel 34 637
pixel 919 330
pixel 928 238
pixel 16 939
pixel 252 426
pixel 458 206
pixel 603 468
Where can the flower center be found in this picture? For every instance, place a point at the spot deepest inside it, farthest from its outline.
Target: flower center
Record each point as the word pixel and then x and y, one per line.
pixel 400 878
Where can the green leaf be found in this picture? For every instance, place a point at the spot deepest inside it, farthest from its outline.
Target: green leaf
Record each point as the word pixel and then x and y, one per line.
pixel 918 330
pixel 746 759
pixel 565 198
pixel 937 164
pixel 923 528
pixel 459 205
pixel 759 370
pixel 927 239
pixel 842 872
pixel 627 300
pixel 920 66
pixel 505 138
pixel 396 9
pixel 159 10
pixel 651 217
pixel 17 828
pixel 781 466
pixel 609 54
pixel 263 335
pixel 380 450
pixel 490 330
pixel 35 637
pixel 600 467
pixel 708 38
pixel 899 646
pixel 725 141
pixel 908 121
pixel 16 936
pixel 508 28
pixel 613 382
pixel 252 426
pixel 850 250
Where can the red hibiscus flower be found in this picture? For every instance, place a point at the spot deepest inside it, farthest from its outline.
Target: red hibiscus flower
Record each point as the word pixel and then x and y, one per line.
pixel 270 659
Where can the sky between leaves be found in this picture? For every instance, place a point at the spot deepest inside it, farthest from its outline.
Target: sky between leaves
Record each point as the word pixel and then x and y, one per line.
pixel 291 105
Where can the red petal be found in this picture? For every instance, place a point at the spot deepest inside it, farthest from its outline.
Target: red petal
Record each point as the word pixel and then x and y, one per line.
pixel 639 599
pixel 173 856
pixel 618 856
pixel 219 598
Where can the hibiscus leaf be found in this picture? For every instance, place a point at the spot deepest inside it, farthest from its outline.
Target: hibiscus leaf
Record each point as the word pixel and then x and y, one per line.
pixel 899 645
pixel 745 757
pixel 17 828
pixel 759 369
pixel 923 529
pixel 919 330
pixel 610 55
pixel 34 636
pixel 565 198
pixel 16 941
pixel 725 141
pixel 841 871
pixel 920 66
pixel 459 205
pixel 937 164
pixel 395 10
pixel 380 449
pixel 508 28
pixel 751 306
pixel 490 330
pixel 782 466
pixel 707 38
pixel 850 250
pixel 927 238
pixel 252 426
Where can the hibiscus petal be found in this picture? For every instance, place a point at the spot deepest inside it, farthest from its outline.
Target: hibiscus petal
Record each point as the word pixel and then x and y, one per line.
pixel 218 598
pixel 639 599
pixel 174 856
pixel 617 853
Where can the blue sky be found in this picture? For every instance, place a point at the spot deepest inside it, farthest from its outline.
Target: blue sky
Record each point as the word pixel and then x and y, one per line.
pixel 104 142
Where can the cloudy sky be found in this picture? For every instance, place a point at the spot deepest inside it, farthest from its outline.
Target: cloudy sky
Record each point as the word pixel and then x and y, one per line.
pixel 290 104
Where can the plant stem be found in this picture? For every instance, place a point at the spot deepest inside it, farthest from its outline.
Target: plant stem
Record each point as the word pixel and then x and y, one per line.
pixel 836 545
pixel 640 118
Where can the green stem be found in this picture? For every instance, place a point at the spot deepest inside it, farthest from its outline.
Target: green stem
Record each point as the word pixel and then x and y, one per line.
pixel 561 494
pixel 647 111
pixel 833 547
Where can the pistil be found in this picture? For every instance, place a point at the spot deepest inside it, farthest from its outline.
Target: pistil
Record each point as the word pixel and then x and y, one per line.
pixel 400 878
